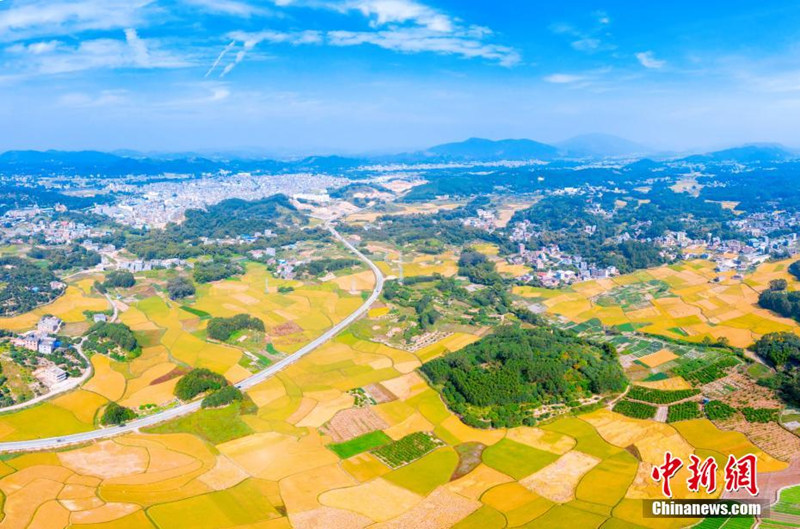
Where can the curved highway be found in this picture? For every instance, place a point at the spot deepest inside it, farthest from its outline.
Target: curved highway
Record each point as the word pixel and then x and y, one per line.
pixel 184 409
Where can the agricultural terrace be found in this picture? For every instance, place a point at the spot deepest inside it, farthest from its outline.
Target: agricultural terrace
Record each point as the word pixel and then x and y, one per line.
pixel 172 338
pixel 687 301
pixel 352 436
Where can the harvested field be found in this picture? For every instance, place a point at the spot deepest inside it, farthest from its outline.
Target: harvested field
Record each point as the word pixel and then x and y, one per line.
pixel 380 393
pixel 285 329
pixel 175 373
pixel 557 481
pixel 440 510
pixel 353 422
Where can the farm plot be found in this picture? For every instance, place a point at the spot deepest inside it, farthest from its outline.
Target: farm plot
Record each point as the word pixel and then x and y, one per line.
pixel 677 302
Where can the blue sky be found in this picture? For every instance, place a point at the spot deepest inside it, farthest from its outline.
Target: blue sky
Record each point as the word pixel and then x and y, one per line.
pixel 300 76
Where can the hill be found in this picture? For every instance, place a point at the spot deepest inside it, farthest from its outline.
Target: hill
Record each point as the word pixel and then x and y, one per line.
pixel 753 153
pixel 479 149
pixel 600 146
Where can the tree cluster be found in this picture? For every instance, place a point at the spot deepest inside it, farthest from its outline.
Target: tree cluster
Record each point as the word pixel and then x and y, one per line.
pixel 119 279
pixel 222 328
pixel 499 379
pixel 75 256
pixel 24 286
pixel 113 339
pixel 180 287
pixel 777 299
pixel 115 414
pixel 197 381
pixel 216 269
pixel 782 351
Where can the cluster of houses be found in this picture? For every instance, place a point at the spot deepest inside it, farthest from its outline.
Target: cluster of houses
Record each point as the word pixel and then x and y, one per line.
pixel 486 221
pixel 19 225
pixel 554 268
pixel 43 341
pixel 141 265
pixel 285 267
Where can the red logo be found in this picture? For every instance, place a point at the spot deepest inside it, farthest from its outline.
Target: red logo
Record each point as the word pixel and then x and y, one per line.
pixel 702 474
pixel 739 473
pixel 665 472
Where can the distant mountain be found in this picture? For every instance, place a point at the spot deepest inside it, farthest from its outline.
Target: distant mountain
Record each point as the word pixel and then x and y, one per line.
pixel 600 146
pixel 753 153
pixel 479 149
pixel 93 163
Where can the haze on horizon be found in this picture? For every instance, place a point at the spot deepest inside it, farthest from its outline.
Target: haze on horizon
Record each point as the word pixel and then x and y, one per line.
pixel 356 76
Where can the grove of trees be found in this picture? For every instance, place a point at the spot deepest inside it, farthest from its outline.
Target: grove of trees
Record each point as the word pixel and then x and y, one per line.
pixel 498 380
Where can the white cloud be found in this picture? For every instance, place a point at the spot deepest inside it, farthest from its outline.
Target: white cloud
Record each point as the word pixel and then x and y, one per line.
pixel 587 44
pixel 594 38
pixel 84 100
pixel 26 19
pixel 404 26
pixel 564 78
pixel 35 48
pixel 422 40
pixel 229 7
pixel 648 60
pixel 382 12
pixel 250 40
pixel 221 56
pixel 59 57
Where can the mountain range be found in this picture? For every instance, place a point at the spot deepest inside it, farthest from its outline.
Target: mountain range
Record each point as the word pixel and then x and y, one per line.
pixel 577 149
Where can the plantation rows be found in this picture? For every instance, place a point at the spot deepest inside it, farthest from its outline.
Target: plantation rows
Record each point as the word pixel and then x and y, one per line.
pixel 637 410
pixel 659 396
pixel 708 373
pixel 683 411
pixel 408 449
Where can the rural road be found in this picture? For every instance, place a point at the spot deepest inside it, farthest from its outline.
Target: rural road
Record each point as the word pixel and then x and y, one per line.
pixel 184 409
pixel 70 383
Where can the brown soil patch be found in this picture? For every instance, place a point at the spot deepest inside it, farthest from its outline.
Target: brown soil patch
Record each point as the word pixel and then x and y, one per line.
pixel 770 437
pixel 350 423
pixel 175 373
pixel 634 451
pixel 469 457
pixel 285 329
pixel 380 393
pixel 770 484
pixel 106 459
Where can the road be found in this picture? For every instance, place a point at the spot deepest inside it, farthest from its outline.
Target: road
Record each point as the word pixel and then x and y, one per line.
pixel 184 409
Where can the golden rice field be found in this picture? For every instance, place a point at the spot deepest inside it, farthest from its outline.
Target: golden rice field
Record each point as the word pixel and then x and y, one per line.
pixel 69 307
pixel 172 337
pixel 694 308
pixel 276 470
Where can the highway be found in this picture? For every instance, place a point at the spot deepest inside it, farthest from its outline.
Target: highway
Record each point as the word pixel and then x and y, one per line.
pixel 184 409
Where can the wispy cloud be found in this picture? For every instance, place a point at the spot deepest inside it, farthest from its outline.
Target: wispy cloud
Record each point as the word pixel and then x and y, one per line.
pixel 27 19
pixel 58 57
pixel 246 41
pixel 404 26
pixel 422 40
pixel 648 60
pixel 233 8
pixel 382 12
pixel 221 56
pixel 589 37
pixel 563 78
